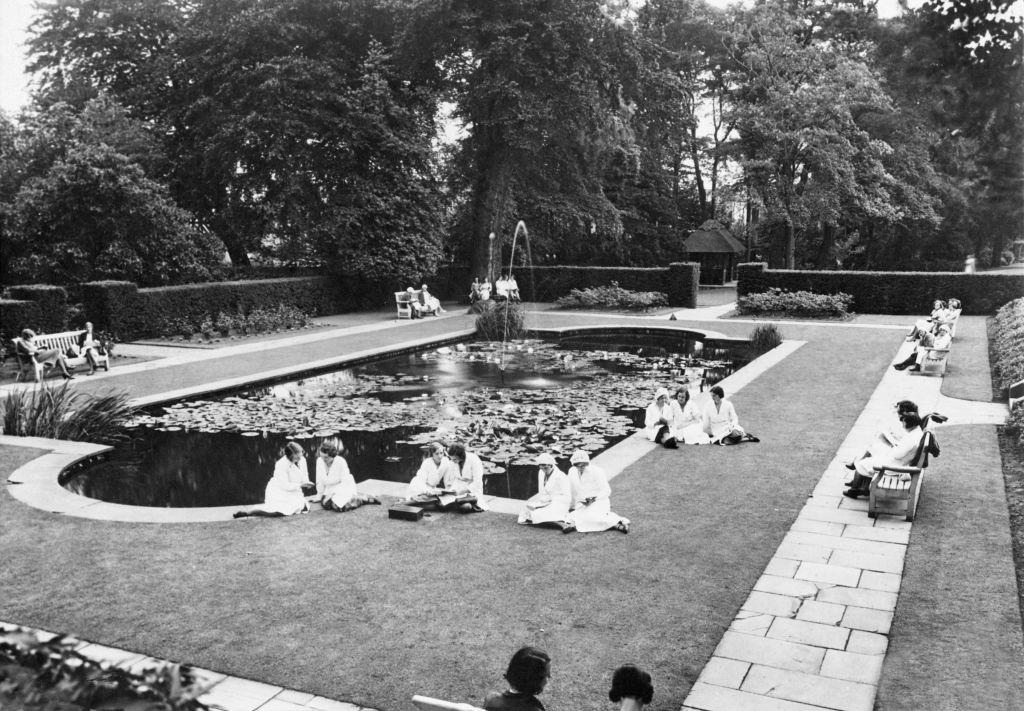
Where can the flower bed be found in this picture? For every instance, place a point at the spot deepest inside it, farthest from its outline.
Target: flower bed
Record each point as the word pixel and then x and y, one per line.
pixel 613 297
pixel 775 302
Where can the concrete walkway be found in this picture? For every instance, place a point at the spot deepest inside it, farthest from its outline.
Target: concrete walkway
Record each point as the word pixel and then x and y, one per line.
pixel 813 632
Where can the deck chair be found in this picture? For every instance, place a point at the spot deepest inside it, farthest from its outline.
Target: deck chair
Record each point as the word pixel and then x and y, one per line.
pixel 425 703
pixel 28 366
pixel 403 304
pixel 896 490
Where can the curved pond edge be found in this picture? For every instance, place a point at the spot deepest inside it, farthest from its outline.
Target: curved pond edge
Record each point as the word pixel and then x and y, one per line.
pixel 37 482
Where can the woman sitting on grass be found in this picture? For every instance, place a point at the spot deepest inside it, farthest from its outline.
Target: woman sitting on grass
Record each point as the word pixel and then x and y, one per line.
pixel 527 675
pixel 283 495
pixel 658 420
pixel 901 454
pixel 631 688
pixel 550 505
pixel 428 482
pixel 686 420
pixel 335 486
pixel 591 498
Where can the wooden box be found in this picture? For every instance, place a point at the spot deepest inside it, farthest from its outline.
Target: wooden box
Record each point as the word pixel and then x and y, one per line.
pixel 405 513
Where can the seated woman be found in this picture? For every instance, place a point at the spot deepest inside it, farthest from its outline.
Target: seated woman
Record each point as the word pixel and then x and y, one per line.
pixel 415 305
pixel 50 356
pixel 719 420
pixel 429 304
pixel 335 486
pixel 512 287
pixel 658 420
pixel 901 454
pixel 527 675
pixel 428 483
pixel 631 688
pixel 550 505
pixel 887 437
pixel 686 420
pixel 485 289
pixel 88 346
pixel 474 291
pixel 500 289
pixel 942 339
pixel 464 480
pixel 591 497
pixel 283 495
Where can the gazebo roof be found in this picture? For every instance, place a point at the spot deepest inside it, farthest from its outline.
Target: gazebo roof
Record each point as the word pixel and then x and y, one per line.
pixel 712 237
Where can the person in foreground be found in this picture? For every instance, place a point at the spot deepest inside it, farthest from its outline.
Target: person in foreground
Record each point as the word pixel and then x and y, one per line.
pixel 550 505
pixel 527 675
pixel 720 421
pixel 901 454
pixel 591 496
pixel 335 485
pixel 283 495
pixel 658 420
pixel 631 688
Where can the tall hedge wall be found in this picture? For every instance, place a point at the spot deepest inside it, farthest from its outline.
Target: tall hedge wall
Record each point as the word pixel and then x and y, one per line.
pixel 890 292
pixel 130 312
pixel 16 315
pixel 49 314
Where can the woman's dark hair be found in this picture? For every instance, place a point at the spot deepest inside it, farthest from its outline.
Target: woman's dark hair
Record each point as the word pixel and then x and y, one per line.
pixel 717 390
pixel 332 447
pixel 457 451
pixel 685 391
pixel 906 406
pixel 629 680
pixel 910 420
pixel 528 670
pixel 293 449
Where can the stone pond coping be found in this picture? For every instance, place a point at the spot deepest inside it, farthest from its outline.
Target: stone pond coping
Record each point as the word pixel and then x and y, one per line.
pixel 36 483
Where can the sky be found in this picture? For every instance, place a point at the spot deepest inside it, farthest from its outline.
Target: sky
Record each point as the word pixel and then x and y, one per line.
pixel 15 16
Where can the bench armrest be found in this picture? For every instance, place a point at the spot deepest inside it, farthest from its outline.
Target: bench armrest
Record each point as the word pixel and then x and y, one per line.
pixel 905 470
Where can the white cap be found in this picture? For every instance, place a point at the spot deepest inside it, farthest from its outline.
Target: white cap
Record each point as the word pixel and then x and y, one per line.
pixel 579 457
pixel 544 459
pixel 660 392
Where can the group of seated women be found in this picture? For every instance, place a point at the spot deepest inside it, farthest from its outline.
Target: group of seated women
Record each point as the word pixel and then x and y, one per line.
pixel 669 421
pixel 944 313
pixel 528 673
pixel 88 346
pixel 577 501
pixel 479 290
pixel 892 446
pixel 449 479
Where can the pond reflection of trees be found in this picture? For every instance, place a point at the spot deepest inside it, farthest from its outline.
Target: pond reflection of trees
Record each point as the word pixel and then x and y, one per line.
pixel 555 398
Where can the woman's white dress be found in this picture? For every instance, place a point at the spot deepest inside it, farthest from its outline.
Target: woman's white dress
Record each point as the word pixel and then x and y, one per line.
pixel 557 492
pixel 335 483
pixel 283 494
pixel 686 424
pixel 901 454
pixel 597 516
pixel 469 480
pixel 652 419
pixel 720 421
pixel 428 477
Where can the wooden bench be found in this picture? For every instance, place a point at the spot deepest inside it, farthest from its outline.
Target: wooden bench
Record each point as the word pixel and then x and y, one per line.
pixel 403 302
pixel 934 362
pixel 897 490
pixel 1015 394
pixel 28 365
pixel 425 703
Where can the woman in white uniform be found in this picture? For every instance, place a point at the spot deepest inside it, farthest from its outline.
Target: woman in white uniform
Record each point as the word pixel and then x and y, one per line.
pixel 465 479
pixel 901 454
pixel 550 505
pixel 591 496
pixel 719 419
pixel 335 485
pixel 658 420
pixel 429 480
pixel 686 421
pixel 283 495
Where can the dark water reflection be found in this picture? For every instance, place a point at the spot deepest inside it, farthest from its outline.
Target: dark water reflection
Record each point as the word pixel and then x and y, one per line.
pixel 188 468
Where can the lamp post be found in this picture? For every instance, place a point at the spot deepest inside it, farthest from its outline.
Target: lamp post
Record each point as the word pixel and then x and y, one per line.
pixel 490 258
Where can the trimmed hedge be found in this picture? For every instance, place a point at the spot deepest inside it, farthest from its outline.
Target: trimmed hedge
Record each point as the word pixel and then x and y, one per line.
pixel 1008 344
pixel 612 296
pixel 51 306
pixel 795 303
pixel 889 292
pixel 131 313
pixel 16 315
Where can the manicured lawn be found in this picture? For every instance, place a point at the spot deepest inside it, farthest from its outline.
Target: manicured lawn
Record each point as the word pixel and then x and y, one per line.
pixel 361 608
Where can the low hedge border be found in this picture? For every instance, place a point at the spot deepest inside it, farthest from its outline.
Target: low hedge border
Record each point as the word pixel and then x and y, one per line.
pixel 889 292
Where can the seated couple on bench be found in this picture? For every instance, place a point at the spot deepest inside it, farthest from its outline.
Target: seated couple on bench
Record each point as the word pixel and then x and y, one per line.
pixel 424 303
pixel 64 350
pixel 943 314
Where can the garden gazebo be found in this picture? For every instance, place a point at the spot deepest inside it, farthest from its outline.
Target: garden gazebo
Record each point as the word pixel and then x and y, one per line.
pixel 717 251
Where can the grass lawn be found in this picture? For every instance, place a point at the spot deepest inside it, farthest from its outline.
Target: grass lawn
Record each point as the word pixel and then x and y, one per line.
pixel 956 640
pixel 360 608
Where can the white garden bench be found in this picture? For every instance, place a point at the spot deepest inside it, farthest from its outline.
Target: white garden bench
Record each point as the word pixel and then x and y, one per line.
pixel 934 362
pixel 403 302
pixel 63 342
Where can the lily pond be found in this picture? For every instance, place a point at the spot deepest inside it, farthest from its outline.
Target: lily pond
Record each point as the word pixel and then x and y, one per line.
pixel 507 402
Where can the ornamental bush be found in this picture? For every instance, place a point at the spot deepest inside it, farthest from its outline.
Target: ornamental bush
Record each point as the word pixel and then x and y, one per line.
pixel 500 321
pixel 612 296
pixel 776 302
pixel 1008 344
pixel 764 337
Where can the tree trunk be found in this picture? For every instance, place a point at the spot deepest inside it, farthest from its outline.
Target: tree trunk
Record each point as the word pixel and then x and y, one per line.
pixel 828 238
pixel 790 243
pixel 236 250
pixel 489 205
pixel 698 177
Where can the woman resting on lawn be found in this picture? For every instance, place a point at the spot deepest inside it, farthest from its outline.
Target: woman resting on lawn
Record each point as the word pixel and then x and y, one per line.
pixel 720 421
pixel 550 505
pixel 283 495
pixel 686 420
pixel 591 498
pixel 335 486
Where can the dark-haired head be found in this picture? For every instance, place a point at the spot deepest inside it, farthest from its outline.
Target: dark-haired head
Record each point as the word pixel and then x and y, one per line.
pixel 683 395
pixel 910 420
pixel 906 406
pixel 293 451
pixel 457 452
pixel 717 390
pixel 629 680
pixel 528 671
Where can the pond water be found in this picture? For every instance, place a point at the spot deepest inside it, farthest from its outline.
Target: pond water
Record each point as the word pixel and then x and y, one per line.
pixel 507 403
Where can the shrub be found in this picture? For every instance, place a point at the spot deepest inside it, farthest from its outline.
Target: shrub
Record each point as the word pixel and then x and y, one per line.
pixel 1008 344
pixel 765 337
pixel 52 675
pixel 51 313
pixel 56 412
pixel 16 315
pixel 501 321
pixel 795 303
pixel 613 296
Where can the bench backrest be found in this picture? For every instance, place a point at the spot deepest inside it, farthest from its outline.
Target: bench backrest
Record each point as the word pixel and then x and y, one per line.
pixel 60 341
pixel 404 297
pixel 923 448
pixel 425 703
